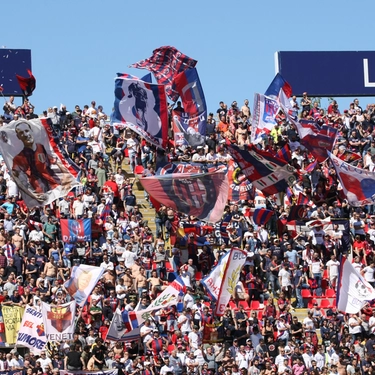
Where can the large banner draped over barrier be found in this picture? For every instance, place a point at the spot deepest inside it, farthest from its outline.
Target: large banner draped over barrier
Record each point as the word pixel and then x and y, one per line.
pixel 82 281
pixel 166 62
pixel 58 321
pixel 106 372
pixel 31 333
pixel 39 169
pixel 12 316
pixel 353 290
pixel 142 107
pixel 221 282
pixel 203 195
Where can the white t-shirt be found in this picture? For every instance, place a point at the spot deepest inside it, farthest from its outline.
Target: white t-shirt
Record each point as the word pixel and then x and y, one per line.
pixel 317 236
pixel 369 274
pixel 333 268
pixel 193 340
pixel 308 324
pixel 285 277
pixel 129 258
pixel 355 329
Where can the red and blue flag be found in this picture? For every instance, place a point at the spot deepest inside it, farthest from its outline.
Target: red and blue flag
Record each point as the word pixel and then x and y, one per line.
pixel 188 85
pixel 297 212
pixel 267 173
pixel 142 107
pixel 203 195
pixel 311 166
pixel 284 153
pixel 262 216
pixel 278 84
pixel 166 62
pixel 27 84
pixel 75 230
pixel 303 200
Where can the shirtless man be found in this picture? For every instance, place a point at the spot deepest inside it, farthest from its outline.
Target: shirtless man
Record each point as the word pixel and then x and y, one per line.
pixel 17 240
pixel 141 281
pixel 156 284
pixel 50 269
pixel 3 237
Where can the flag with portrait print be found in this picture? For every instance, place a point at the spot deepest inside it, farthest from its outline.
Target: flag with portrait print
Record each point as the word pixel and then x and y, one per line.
pixel 142 107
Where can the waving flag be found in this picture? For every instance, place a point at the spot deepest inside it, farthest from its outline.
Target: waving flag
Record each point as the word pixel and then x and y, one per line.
pixel 221 282
pixel 27 84
pixel 166 62
pixel 349 156
pixel 264 116
pixel 358 184
pixel 142 107
pixel 203 195
pixel 240 188
pixel 302 200
pixel 75 230
pixel 268 174
pixel 188 85
pixel 36 164
pixel 277 85
pixel 262 216
pixel 119 330
pixel 106 212
pixel 353 290
pixel 83 279
pixel 297 212
pixel 284 153
pixel 311 166
pixel 188 129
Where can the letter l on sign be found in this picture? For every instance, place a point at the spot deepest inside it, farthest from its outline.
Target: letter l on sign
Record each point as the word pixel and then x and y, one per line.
pixel 366 74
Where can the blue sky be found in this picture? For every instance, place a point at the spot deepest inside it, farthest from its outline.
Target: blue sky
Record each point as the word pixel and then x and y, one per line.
pixel 78 47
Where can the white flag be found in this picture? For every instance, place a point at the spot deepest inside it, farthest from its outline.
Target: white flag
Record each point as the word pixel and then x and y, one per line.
pixel 222 280
pixel 59 321
pixel 31 333
pixel 353 290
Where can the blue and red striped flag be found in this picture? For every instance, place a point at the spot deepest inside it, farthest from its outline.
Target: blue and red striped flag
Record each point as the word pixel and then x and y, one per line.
pixel 105 213
pixel 166 62
pixel 130 320
pixel 284 153
pixel 267 173
pixel 261 216
pixel 302 200
pixel 311 166
pixel 278 84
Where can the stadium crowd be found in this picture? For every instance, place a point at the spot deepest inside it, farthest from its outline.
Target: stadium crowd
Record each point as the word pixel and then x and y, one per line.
pixel 286 270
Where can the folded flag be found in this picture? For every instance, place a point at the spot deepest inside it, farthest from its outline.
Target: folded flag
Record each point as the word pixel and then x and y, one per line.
pixel 353 290
pixel 166 62
pixel 357 184
pixel 267 173
pixel 27 84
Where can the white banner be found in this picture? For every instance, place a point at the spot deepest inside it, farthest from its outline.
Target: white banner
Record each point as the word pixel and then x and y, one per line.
pixel 264 116
pixel 59 321
pixel 82 281
pixel 31 333
pixel 222 280
pixel 353 290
